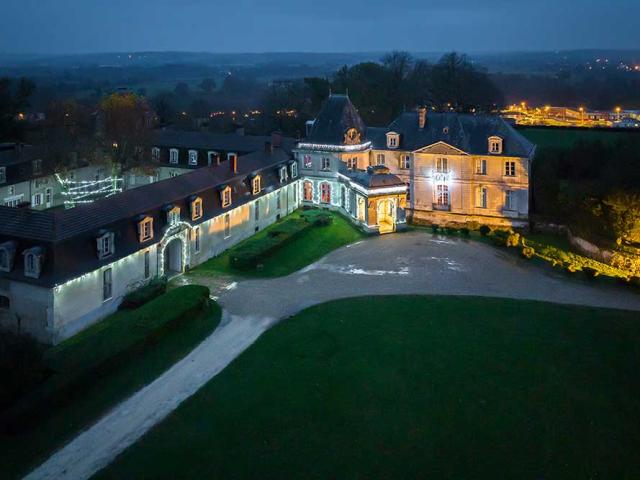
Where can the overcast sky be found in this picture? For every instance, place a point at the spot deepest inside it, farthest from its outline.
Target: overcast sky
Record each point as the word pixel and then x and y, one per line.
pixel 82 26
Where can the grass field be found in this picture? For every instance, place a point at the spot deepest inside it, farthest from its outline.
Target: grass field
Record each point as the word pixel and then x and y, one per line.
pixel 301 251
pixel 567 137
pixel 20 452
pixel 414 387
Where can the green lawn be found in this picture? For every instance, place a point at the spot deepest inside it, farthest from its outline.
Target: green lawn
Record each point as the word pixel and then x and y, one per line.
pixel 19 453
pixel 414 387
pixel 301 251
pixel 567 137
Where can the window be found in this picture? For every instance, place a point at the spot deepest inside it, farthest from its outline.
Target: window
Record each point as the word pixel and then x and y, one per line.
pixel 495 145
pixel 393 140
pixel 283 174
pixel 225 197
pixel 107 284
pixel 510 169
pixel 196 208
pixel 13 201
pixel 343 196
pixel 36 200
pixel 173 216
pixel 37 166
pixel 482 197
pixel 4 260
pixel 33 262
pixel 193 157
pixel 295 194
pixel 294 170
pixel 326 163
pixel 155 154
pixel 255 185
pixel 509 200
pixel 173 155
pixel 308 161
pixel 106 245
pixel 442 165
pixel 352 163
pixel 213 158
pixel 3 174
pixel 227 226
pixel 405 162
pixel 442 195
pixel 7 253
pixel 481 166
pixel 308 191
pixel 256 211
pixel 380 159
pixel 325 190
pixel 11 190
pixel 147 264
pixel 196 239
pixel 145 229
pixel 278 200
pixel 48 197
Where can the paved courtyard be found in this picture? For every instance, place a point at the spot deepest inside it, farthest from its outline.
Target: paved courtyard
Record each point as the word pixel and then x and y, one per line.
pixel 409 263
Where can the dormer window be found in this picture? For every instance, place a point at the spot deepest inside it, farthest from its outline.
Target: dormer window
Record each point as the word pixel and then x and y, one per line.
pixel 193 157
pixel 283 174
pixel 393 140
pixel 213 158
pixel 173 216
pixel 155 154
pixel 196 208
pixel 7 255
pixel 255 185
pixel 33 259
pixel 173 156
pixel 294 170
pixel 225 196
pixel 495 145
pixel 105 244
pixel 145 229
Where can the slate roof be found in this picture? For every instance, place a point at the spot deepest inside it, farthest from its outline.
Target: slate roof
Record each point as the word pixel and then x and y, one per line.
pixel 228 142
pixel 336 117
pixel 467 132
pixel 375 177
pixel 10 155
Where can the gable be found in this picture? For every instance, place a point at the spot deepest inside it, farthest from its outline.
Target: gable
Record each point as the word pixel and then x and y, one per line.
pixel 441 148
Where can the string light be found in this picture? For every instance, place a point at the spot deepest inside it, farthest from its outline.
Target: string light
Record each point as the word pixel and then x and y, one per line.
pixel 334 148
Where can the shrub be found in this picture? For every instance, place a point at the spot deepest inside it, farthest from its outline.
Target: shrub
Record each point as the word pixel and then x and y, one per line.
pixel 451 230
pixel 484 230
pixel 323 221
pixel 464 231
pixel 500 238
pixel 434 228
pixel 513 240
pixel 528 252
pixel 253 251
pixel 143 295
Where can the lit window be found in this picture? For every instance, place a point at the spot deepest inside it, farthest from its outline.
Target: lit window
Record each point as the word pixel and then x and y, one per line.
pixel 380 160
pixel 196 209
pixel 107 284
pixel 227 226
pixel 326 163
pixel 308 191
pixel 509 200
pixel 325 190
pixel 442 195
pixel 405 162
pixel 442 165
pixel 255 185
pixel 481 167
pixel 145 229
pixel 193 157
pixel 510 169
pixel 308 161
pixel 352 163
pixel 155 154
pixel 173 156
pixel 225 197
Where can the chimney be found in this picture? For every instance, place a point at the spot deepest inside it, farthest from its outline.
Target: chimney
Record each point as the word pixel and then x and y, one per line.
pixel 233 162
pixel 422 117
pixel 276 139
pixel 268 148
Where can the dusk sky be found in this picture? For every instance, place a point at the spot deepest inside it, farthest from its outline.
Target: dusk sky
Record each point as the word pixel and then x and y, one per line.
pixel 82 26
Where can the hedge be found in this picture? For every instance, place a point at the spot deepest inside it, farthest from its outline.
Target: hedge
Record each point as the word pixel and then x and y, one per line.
pixel 143 295
pixel 250 253
pixel 98 350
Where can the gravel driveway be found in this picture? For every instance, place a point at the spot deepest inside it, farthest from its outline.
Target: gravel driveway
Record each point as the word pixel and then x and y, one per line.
pixel 408 263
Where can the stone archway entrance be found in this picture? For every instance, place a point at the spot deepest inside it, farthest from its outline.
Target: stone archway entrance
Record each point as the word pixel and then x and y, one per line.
pixel 173 258
pixel 386 216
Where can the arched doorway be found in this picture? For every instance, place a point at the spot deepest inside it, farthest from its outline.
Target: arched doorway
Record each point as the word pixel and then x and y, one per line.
pixel 173 261
pixel 386 217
